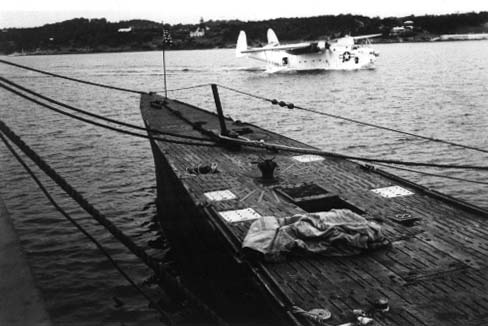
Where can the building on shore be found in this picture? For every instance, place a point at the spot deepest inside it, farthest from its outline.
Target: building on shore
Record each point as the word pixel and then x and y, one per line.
pixel 406 28
pixel 125 30
pixel 200 31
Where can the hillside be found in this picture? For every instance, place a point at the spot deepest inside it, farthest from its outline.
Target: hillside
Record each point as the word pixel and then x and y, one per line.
pixel 99 35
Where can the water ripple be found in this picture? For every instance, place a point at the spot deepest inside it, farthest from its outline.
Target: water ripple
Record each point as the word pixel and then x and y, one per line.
pixel 416 88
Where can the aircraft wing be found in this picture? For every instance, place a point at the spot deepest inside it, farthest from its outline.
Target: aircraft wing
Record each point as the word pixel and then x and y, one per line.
pixel 362 37
pixel 280 47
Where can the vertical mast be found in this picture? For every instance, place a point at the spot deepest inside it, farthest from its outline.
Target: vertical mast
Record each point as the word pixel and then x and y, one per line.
pixel 164 73
pixel 167 41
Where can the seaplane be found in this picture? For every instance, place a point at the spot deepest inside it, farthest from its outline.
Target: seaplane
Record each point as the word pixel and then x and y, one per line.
pixel 339 54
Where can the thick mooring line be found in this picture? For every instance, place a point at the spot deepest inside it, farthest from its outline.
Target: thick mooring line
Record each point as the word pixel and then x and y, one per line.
pixel 72 79
pixel 43 189
pixel 171 284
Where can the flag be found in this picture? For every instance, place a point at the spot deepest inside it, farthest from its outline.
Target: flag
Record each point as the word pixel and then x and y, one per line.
pixel 167 40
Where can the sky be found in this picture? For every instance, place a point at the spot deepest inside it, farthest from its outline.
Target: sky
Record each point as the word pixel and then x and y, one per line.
pixel 31 13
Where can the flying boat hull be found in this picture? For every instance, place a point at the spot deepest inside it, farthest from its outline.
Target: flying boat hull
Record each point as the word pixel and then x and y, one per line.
pixel 341 54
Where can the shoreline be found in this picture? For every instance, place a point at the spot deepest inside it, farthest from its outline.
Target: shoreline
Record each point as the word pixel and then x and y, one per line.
pixel 437 39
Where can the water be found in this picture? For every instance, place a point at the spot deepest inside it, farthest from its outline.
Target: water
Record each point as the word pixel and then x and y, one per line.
pixel 434 89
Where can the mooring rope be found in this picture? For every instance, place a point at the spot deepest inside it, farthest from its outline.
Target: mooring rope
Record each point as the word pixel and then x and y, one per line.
pixel 272 101
pixel 235 90
pixel 72 79
pixel 103 125
pixel 293 106
pixel 153 303
pixel 246 143
pixel 176 285
pixel 185 88
pixel 121 123
pixel 301 150
pixel 60 181
pixel 432 174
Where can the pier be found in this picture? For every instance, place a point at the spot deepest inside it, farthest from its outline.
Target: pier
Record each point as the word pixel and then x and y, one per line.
pixel 463 37
pixel 433 273
pixel 21 303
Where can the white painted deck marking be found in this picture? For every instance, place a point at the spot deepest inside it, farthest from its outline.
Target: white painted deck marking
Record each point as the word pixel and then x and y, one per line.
pixel 393 191
pixel 220 195
pixel 240 215
pixel 308 158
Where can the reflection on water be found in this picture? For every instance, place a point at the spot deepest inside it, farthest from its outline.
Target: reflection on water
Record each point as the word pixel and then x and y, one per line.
pixel 434 89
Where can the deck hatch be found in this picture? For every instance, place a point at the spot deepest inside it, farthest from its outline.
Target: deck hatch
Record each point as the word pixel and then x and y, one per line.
pixel 240 215
pixel 308 158
pixel 313 198
pixel 302 191
pixel 220 195
pixel 392 192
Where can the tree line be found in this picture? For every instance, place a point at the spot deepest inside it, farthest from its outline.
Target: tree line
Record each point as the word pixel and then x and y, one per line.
pixel 99 35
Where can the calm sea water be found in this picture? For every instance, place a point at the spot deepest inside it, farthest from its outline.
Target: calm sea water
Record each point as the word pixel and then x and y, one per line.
pixel 434 89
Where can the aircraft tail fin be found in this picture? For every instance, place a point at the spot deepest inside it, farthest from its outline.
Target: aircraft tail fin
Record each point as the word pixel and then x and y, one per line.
pixel 272 38
pixel 241 44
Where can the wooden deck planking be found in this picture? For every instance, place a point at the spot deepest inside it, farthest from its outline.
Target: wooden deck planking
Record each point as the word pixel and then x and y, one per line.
pixel 431 274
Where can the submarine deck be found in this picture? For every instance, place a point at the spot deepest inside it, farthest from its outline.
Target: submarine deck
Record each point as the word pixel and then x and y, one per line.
pixel 434 272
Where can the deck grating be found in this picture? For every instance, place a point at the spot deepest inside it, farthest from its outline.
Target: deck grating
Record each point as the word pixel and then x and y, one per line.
pixel 435 272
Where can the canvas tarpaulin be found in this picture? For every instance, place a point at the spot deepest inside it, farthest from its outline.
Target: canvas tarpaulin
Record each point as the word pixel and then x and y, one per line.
pixel 339 232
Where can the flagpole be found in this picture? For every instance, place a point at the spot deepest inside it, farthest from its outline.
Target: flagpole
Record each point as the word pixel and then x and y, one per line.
pixel 166 41
pixel 164 72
